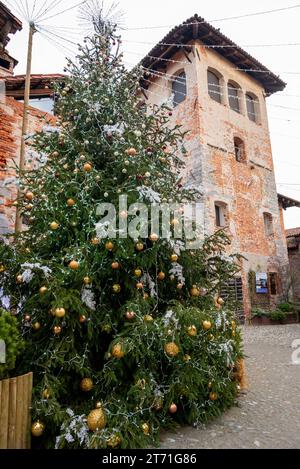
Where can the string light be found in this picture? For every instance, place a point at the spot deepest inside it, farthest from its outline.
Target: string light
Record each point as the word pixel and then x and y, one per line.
pixel 212 46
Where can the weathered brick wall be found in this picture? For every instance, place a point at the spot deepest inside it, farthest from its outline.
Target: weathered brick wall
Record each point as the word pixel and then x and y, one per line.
pixel 11 114
pixel 249 188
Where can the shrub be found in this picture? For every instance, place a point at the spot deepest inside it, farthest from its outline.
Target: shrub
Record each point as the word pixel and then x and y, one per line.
pixel 285 307
pixel 259 313
pixel 277 315
pixel 10 336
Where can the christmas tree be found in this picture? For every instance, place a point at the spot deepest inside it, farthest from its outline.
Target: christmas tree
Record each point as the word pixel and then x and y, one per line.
pixel 125 335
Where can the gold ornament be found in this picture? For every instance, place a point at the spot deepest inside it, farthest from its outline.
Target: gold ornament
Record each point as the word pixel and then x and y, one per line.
pixel 161 276
pixel 130 315
pixel 115 265
pixel 54 226
pixel 116 288
pixel 74 265
pixel 174 258
pixel 158 403
pixel 36 326
pixel 138 273
pixel 99 405
pixel 173 408
pixel 146 296
pixel 114 441
pixel 233 324
pixel 213 396
pixel 179 286
pixel 43 290
pixel 82 319
pixel 46 394
pixel 154 237
pixel 211 337
pixel 131 152
pixel 117 351
pixel 29 196
pixel 37 428
pixel 57 330
pixel 96 420
pixel 139 246
pixel 2 268
pixel 220 301
pixel 27 318
pixel 148 318
pixel 195 291
pixel 87 167
pixel 19 279
pixel 87 280
pixel 172 349
pixel 70 202
pixel 60 312
pixel 146 428
pixel 109 246
pixel 207 325
pixel 209 385
pixel 55 154
pixel 187 358
pixel 192 331
pixel 139 286
pixel 95 241
pixel 86 384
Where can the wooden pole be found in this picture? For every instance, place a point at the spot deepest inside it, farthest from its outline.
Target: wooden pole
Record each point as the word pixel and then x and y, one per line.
pixel 32 30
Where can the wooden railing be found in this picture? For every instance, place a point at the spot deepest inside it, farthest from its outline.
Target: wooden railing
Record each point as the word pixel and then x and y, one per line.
pixel 15 418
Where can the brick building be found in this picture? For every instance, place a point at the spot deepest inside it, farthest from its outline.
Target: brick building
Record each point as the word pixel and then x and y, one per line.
pixel 219 96
pixel 293 244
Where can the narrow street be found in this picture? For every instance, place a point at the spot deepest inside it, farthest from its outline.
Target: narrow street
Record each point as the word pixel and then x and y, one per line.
pixel 268 416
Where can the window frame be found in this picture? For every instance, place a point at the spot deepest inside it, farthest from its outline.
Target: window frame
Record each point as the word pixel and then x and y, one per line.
pixel 234 86
pixel 211 92
pixel 253 116
pixel 221 214
pixel 182 94
pixel 239 145
pixel 268 224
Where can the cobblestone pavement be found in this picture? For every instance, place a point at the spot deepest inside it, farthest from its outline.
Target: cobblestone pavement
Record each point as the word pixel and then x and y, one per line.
pixel 268 416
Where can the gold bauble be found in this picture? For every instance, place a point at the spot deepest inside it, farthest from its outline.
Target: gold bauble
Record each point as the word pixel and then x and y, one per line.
pixel 57 330
pixel 46 394
pixel 209 385
pixel 139 286
pixel 173 408
pixel 172 349
pixel 2 268
pixel 60 312
pixel 195 291
pixel 146 296
pixel 207 325
pixel 109 246
pixel 117 351
pixel 161 276
pixel 148 318
pixel 174 258
pixel 131 152
pixel 114 441
pixel 54 226
pixel 139 246
pixel 55 154
pixel 70 202
pixel 74 265
pixel 115 265
pixel 87 167
pixel 82 319
pixel 86 384
pixel 36 326
pixel 220 301
pixel 233 324
pixel 19 279
pixel 96 420
pixel 180 286
pixel 146 428
pixel 130 315
pixel 43 290
pixel 27 318
pixel 95 241
pixel 187 358
pixel 37 428
pixel 213 396
pixel 153 237
pixel 116 288
pixel 192 331
pixel 87 280
pixel 29 195
pixel 138 273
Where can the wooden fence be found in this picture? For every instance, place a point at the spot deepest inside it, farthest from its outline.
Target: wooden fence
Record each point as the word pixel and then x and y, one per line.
pixel 15 419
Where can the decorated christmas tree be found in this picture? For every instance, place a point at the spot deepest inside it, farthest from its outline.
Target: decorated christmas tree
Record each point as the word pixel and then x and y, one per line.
pixel 126 335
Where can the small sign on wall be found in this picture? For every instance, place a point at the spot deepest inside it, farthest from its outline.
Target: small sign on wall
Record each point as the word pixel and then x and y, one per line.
pixel 261 282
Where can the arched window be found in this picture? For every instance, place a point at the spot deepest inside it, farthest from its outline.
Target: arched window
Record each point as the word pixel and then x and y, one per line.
pixel 252 107
pixel 179 88
pixel 233 97
pixel 214 86
pixel 239 150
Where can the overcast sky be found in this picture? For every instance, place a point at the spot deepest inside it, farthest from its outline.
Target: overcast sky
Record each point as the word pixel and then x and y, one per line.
pixel 274 28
